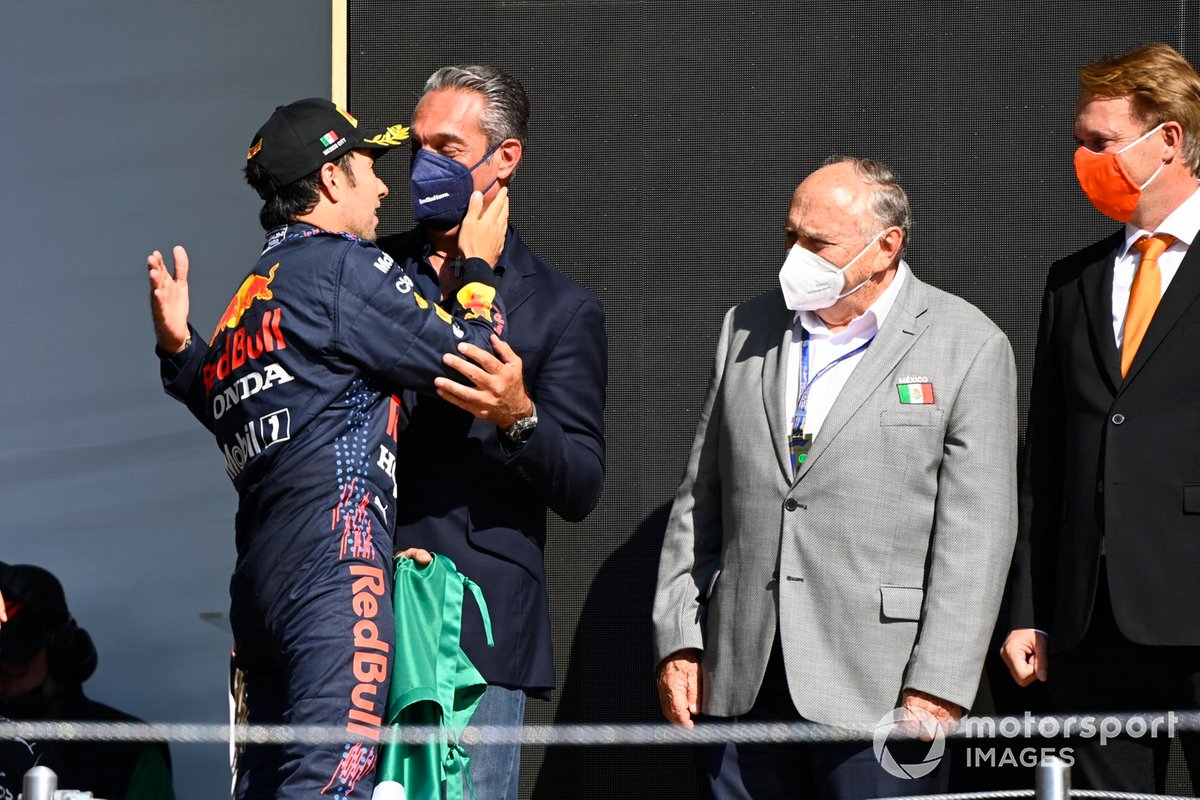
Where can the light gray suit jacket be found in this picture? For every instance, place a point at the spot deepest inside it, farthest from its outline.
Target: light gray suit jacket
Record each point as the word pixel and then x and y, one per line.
pixel 883 562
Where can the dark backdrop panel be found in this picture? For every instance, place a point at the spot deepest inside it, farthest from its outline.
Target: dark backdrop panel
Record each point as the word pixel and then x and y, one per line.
pixel 666 139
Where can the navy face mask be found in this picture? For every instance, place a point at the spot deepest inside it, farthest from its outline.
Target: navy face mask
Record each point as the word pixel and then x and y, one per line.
pixel 441 188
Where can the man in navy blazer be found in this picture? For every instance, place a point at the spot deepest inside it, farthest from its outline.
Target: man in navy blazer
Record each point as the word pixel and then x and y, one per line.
pixel 1104 575
pixel 527 431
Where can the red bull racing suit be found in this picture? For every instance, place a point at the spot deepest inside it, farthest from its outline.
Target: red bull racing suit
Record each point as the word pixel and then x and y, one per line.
pixel 297 386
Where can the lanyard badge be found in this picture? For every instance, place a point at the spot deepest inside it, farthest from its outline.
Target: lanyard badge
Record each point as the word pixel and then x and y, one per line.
pixel 799 442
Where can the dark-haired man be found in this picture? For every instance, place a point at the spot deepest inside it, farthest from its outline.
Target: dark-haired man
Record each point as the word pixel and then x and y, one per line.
pixel 45 657
pixel 296 384
pixel 529 428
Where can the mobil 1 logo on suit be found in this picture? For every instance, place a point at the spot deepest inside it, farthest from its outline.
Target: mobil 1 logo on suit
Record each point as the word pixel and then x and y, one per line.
pixel 255 437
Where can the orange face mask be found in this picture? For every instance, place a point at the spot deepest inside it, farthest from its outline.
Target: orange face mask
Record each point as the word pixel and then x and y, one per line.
pixel 1106 182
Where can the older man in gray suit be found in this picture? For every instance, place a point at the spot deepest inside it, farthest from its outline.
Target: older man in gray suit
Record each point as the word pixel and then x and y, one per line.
pixel 839 543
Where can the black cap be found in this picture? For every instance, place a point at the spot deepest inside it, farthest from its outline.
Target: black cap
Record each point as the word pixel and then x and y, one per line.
pixel 36 608
pixel 302 136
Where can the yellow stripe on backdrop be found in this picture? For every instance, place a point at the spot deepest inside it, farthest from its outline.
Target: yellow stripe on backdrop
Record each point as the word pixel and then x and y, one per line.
pixel 338 50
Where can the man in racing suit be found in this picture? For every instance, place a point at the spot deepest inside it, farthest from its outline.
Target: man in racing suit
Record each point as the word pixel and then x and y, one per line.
pixel 296 384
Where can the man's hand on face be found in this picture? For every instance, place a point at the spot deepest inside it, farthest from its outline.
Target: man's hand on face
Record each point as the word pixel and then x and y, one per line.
pixel 498 394
pixel 169 303
pixel 482 232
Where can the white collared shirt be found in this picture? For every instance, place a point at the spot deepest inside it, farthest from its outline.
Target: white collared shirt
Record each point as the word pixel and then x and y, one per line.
pixel 1182 223
pixel 825 346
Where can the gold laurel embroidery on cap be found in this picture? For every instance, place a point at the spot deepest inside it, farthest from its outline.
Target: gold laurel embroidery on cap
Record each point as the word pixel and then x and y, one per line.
pixel 253 151
pixel 393 136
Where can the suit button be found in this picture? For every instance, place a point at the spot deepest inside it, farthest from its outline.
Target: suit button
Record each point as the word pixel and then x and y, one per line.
pixel 1099 487
pixel 1117 419
pixel 791 504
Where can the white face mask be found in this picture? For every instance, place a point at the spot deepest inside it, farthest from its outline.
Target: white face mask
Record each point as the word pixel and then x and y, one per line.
pixel 810 282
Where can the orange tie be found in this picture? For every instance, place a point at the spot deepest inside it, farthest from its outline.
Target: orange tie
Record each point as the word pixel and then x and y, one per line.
pixel 1143 295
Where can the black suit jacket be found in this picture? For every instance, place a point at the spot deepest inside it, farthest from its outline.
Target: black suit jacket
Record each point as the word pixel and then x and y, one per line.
pixel 469 495
pixel 1112 457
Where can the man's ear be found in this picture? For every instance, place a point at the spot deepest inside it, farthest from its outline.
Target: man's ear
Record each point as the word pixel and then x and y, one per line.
pixel 507 156
pixel 1173 139
pixel 333 181
pixel 892 241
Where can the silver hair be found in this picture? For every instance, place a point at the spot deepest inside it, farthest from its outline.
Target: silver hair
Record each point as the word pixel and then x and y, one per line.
pixel 505 112
pixel 888 201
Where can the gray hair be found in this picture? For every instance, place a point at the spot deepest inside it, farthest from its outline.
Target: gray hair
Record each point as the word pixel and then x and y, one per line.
pixel 888 201
pixel 505 112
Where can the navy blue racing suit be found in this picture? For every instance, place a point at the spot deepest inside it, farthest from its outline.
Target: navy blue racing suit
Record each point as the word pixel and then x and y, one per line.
pixel 297 386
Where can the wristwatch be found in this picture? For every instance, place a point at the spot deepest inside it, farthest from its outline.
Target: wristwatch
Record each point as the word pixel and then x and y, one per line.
pixel 520 431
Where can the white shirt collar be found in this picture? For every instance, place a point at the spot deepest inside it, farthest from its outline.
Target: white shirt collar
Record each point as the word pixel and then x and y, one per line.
pixel 1182 223
pixel 869 322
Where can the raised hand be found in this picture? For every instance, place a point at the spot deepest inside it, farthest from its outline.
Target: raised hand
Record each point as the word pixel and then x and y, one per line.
pixel 169 303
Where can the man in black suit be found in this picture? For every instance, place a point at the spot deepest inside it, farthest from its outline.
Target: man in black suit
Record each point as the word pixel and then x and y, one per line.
pixel 527 433
pixel 1104 588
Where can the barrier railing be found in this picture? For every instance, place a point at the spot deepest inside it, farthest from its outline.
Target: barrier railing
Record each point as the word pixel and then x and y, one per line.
pixel 1052 775
pixel 597 734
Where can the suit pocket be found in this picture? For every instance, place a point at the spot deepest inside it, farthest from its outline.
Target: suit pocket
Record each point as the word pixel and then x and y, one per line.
pixel 506 544
pixel 901 602
pixel 706 598
pixel 1191 498
pixel 911 416
pixel 712 585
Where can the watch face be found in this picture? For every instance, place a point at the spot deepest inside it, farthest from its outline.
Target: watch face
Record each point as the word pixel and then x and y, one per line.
pixel 521 430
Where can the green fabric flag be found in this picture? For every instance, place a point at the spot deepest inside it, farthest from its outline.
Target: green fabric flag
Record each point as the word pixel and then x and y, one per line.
pixel 433 682
pixel 151 778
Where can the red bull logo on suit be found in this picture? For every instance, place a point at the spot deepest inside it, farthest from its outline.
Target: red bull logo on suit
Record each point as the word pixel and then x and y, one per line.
pixel 255 287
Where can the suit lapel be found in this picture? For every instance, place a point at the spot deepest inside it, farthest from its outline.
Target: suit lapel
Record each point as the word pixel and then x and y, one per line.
pixel 1096 285
pixel 774 381
pixel 903 326
pixel 1180 294
pixel 519 279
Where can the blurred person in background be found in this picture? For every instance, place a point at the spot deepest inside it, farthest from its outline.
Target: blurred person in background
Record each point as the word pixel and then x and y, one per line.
pixel 45 657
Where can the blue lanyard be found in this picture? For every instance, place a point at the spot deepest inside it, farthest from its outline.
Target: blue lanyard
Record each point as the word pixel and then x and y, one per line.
pixel 799 441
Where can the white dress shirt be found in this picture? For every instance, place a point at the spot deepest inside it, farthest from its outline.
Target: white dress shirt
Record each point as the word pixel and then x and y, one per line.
pixel 824 347
pixel 1182 223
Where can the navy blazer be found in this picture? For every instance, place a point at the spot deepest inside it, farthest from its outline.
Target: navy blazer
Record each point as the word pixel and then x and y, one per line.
pixel 470 495
pixel 1113 457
